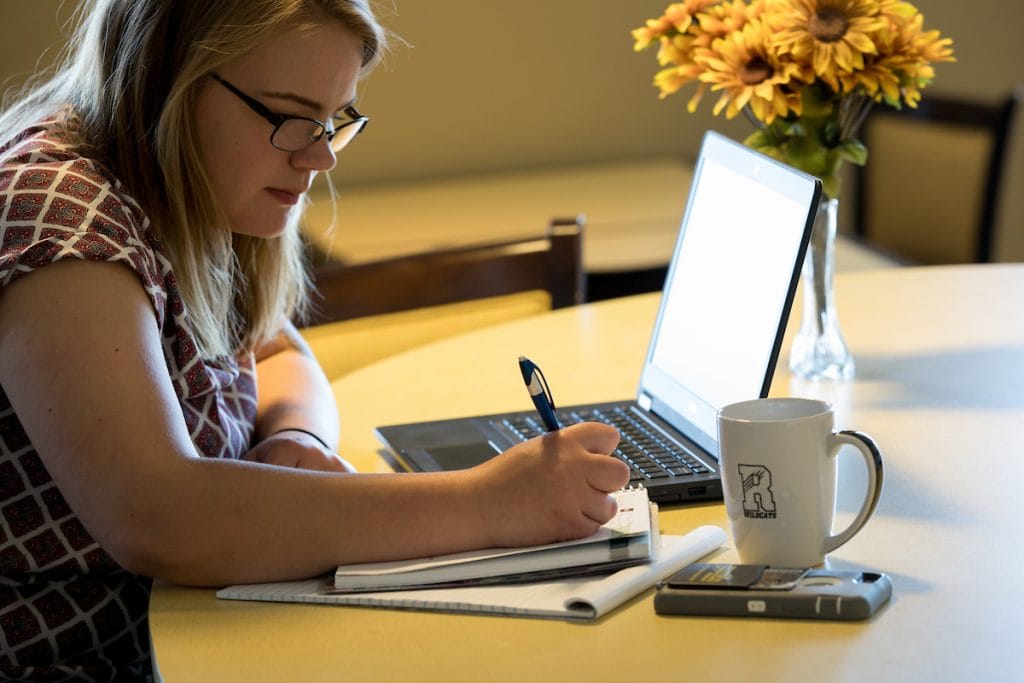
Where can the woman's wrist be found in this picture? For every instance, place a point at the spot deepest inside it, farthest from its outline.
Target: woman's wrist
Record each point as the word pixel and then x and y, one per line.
pixel 308 433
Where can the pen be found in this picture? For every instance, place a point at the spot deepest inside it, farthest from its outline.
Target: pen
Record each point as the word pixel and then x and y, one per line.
pixel 540 394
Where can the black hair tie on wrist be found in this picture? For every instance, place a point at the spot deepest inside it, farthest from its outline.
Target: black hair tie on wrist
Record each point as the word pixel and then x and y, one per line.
pixel 307 433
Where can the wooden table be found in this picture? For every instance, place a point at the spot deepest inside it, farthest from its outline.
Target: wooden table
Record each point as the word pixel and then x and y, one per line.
pixel 940 385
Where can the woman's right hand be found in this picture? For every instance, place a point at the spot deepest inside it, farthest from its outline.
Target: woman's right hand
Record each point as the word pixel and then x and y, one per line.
pixel 551 488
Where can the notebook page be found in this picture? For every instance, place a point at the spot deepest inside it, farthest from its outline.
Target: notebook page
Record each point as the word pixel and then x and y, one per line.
pixel 579 598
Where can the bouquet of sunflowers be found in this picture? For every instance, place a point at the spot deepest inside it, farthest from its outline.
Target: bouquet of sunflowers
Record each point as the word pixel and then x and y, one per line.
pixel 805 72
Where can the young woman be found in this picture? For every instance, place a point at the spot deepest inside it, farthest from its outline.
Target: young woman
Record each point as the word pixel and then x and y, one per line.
pixel 159 415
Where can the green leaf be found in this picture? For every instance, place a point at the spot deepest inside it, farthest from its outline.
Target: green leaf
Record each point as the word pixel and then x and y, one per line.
pixel 766 141
pixel 808 154
pixel 759 138
pixel 853 151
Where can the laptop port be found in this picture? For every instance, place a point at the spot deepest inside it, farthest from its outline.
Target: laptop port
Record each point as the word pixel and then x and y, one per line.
pixel 697 490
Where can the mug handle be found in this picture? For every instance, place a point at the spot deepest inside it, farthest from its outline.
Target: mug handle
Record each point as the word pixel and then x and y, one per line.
pixel 873 458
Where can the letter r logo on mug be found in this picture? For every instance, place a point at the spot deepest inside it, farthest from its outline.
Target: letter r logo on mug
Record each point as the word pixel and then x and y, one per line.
pixel 779 471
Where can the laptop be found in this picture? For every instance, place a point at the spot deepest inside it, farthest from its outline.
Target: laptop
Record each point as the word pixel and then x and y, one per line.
pixel 716 339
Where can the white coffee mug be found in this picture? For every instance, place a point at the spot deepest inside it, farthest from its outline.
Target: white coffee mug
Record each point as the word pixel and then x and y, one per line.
pixel 779 470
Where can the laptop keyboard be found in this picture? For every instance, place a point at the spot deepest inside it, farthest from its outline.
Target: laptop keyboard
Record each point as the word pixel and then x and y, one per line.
pixel 649 454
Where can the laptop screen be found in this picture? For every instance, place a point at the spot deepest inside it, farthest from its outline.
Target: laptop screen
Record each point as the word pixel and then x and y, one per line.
pixel 718 334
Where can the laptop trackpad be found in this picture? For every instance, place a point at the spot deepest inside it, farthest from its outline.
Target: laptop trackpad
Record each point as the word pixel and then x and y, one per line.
pixel 446 458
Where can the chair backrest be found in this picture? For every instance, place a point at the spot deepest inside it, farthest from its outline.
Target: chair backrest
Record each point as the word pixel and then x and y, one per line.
pixel 934 178
pixel 1008 228
pixel 552 262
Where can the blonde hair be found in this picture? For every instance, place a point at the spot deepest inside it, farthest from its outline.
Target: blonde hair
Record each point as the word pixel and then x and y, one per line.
pixel 130 75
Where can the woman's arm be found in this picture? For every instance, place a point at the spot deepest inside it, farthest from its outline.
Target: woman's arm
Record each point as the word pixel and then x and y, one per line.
pixel 293 390
pixel 297 419
pixel 81 362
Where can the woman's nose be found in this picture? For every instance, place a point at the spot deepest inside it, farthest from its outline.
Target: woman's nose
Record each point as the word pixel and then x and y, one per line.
pixel 318 157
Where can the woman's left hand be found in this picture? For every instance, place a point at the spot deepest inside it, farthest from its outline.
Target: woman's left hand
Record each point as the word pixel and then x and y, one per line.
pixel 298 450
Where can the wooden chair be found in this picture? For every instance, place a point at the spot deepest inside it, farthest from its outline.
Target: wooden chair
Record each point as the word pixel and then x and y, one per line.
pixel 552 263
pixel 370 311
pixel 934 179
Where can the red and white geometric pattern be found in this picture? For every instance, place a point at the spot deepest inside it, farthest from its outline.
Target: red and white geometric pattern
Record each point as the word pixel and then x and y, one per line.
pixel 67 610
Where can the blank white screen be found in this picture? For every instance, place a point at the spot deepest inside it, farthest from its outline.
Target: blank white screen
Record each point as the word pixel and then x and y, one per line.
pixel 727 291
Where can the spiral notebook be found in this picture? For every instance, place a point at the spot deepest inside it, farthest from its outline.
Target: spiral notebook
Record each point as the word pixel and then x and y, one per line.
pixel 629 538
pixel 573 599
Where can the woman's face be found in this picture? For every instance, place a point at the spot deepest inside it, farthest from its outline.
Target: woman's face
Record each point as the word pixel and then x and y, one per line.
pixel 309 73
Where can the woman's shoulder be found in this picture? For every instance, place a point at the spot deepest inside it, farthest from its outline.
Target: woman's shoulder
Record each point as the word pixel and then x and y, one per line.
pixel 57 203
pixel 43 169
pixel 48 186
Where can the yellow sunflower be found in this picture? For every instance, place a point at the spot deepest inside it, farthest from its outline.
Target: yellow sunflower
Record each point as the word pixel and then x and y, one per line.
pixel 677 19
pixel 903 64
pixel 879 79
pixel 832 36
pixel 678 51
pixel 722 19
pixel 675 50
pixel 672 79
pixel 906 34
pixel 682 14
pixel 749 74
pixel 896 10
pixel 930 46
pixel 678 54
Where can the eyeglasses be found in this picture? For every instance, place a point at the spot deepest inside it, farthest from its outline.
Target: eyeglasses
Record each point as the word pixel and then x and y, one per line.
pixel 296 133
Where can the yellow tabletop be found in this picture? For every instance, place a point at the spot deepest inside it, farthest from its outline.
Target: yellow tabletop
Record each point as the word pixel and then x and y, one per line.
pixel 940 385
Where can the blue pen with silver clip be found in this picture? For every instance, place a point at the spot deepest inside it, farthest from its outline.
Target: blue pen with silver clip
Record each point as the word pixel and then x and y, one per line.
pixel 540 394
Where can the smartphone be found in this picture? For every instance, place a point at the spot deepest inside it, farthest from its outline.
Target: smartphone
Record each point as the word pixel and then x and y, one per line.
pixel 745 590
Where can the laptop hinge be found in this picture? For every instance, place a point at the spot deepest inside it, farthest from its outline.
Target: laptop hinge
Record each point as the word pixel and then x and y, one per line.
pixel 644 401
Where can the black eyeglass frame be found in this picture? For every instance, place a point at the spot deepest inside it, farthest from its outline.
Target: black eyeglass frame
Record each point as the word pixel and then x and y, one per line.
pixel 278 119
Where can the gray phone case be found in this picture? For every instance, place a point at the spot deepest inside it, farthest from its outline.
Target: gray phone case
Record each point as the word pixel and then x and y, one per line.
pixel 818 594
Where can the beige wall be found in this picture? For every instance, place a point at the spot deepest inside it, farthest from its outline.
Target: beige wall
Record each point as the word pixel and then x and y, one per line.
pixel 487 85
pixel 554 81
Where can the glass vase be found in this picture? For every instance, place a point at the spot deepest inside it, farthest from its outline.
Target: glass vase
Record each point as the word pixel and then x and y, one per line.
pixel 819 351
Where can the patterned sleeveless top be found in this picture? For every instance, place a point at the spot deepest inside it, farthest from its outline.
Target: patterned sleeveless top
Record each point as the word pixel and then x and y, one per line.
pixel 67 610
